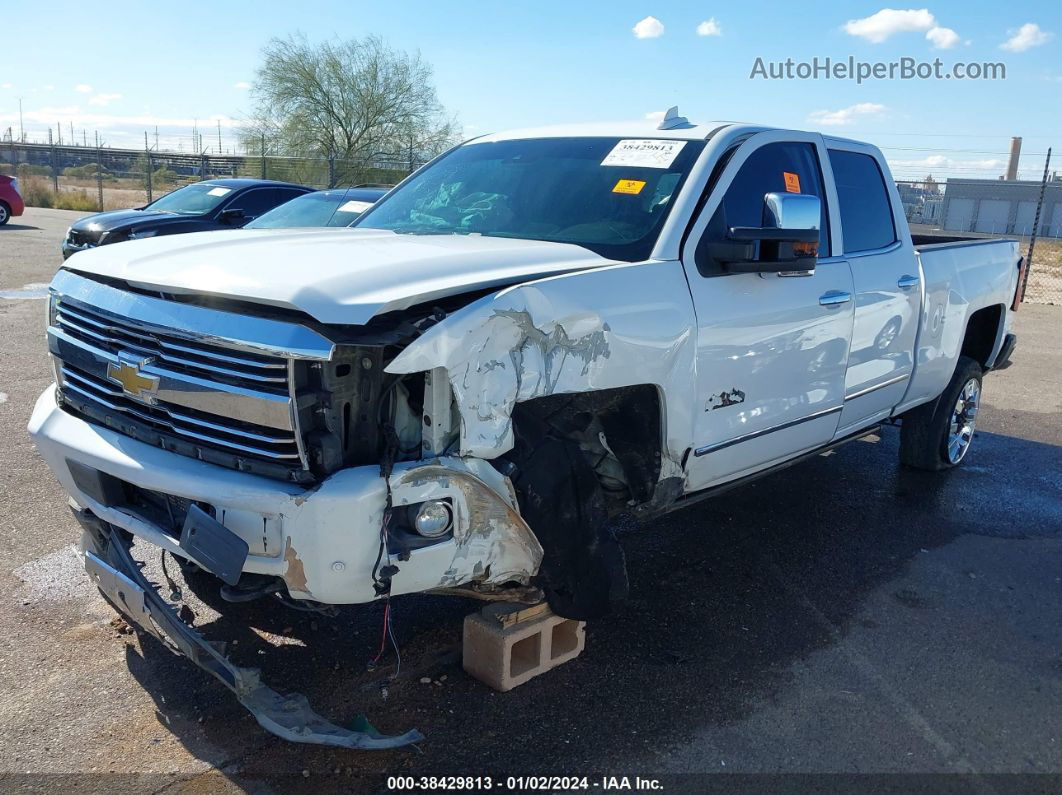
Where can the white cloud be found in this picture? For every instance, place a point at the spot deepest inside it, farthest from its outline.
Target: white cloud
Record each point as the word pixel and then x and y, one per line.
pixel 243 85
pixel 655 115
pixel 103 100
pixel 889 21
pixel 6 85
pixel 1026 37
pixel 648 28
pixel 942 163
pixel 710 28
pixel 942 38
pixel 83 88
pixel 49 87
pixel 844 116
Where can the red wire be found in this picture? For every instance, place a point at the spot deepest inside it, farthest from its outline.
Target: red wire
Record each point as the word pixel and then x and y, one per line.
pixel 383 640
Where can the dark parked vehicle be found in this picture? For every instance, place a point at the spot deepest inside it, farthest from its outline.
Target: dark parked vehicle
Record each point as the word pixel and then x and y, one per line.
pixel 336 207
pixel 199 207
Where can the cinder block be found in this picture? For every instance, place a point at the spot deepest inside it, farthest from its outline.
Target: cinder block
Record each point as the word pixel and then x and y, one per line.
pixel 506 645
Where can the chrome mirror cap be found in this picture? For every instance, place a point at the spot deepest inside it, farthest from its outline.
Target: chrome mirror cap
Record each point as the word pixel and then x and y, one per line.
pixel 792 210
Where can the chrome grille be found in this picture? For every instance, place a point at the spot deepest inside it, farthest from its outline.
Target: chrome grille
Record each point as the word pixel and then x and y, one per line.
pixel 233 436
pixel 202 382
pixel 76 238
pixel 120 336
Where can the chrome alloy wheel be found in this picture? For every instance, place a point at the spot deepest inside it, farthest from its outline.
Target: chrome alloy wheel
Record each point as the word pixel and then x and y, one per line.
pixel 963 417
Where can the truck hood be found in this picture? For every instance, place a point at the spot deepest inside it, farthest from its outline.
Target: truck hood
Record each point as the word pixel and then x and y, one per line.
pixel 342 276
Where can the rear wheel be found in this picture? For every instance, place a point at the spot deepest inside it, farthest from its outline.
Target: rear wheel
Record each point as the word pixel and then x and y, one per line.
pixel 938 435
pixel 5 213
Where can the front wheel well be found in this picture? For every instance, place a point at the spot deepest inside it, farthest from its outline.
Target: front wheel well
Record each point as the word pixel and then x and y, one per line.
pixel 982 332
pixel 620 432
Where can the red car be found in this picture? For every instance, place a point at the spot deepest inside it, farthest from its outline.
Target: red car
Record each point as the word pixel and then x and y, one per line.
pixel 10 199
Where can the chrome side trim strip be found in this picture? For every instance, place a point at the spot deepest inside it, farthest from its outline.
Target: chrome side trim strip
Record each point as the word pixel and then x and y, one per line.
pixel 876 387
pixel 711 448
pixel 197 323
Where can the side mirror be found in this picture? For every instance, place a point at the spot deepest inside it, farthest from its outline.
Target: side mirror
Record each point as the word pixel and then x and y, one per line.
pixel 788 240
pixel 233 215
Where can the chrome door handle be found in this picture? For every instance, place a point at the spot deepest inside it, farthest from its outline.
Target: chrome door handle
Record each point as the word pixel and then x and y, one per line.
pixel 834 298
pixel 907 282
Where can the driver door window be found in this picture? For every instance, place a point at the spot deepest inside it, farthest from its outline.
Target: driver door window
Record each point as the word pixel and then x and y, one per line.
pixel 773 168
pixel 255 202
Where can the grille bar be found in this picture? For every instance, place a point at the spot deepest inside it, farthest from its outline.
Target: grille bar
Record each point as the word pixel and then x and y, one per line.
pixel 91 389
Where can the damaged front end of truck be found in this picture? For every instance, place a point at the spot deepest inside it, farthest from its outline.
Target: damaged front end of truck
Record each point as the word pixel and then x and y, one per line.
pixel 327 465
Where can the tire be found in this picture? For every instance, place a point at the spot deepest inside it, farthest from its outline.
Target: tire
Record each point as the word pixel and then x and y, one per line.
pixel 938 435
pixel 5 213
pixel 583 571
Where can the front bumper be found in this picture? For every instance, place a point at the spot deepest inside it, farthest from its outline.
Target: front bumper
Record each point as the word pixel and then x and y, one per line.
pixel 323 542
pixel 110 564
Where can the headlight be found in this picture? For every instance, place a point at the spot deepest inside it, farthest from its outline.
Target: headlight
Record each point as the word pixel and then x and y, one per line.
pixel 433 519
pixel 53 309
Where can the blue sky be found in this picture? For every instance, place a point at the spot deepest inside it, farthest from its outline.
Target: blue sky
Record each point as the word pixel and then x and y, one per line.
pixel 125 67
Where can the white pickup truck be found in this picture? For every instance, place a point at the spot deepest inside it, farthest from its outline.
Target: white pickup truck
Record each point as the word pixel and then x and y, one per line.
pixel 537 335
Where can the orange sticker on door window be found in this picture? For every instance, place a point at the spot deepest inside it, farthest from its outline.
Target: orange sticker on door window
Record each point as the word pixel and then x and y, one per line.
pixel 792 182
pixel 631 186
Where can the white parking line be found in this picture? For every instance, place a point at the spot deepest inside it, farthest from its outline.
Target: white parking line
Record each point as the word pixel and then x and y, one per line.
pixel 32 290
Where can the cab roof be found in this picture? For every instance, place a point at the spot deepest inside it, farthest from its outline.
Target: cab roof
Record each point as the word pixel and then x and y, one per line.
pixel 643 128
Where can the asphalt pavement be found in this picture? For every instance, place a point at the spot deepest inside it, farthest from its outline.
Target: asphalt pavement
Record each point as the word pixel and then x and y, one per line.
pixel 843 616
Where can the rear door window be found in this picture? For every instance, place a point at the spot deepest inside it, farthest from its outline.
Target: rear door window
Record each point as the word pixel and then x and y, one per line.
pixel 866 214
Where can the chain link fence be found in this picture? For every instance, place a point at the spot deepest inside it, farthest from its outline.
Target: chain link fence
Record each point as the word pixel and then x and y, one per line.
pixel 997 208
pixel 93 179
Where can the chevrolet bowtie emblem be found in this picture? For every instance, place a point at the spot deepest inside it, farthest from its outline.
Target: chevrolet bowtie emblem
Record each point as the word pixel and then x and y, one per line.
pixel 134 383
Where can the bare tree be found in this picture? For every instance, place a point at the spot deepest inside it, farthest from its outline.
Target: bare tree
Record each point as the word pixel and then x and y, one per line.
pixel 353 100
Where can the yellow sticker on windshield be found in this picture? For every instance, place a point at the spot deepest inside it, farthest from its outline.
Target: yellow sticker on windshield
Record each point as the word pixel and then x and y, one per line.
pixel 631 186
pixel 792 182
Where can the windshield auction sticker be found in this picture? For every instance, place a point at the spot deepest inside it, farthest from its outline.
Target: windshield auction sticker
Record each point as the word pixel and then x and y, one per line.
pixel 631 186
pixel 646 153
pixel 354 206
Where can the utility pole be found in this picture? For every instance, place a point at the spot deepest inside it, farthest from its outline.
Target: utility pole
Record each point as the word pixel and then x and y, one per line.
pixel 147 167
pixel 21 129
pixel 73 142
pixel 219 137
pixel 55 162
pixel 99 172
pixel 1036 224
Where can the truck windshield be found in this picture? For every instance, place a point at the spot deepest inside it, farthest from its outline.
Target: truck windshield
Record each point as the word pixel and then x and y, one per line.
pixel 196 199
pixel 609 195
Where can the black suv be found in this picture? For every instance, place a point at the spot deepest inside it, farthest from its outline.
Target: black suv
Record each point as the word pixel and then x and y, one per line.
pixel 199 207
